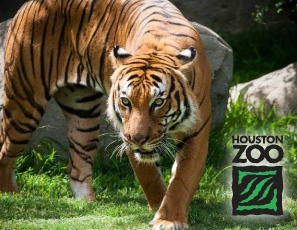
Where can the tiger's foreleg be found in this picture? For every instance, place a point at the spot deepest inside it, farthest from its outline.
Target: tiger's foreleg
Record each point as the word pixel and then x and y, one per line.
pixel 81 107
pixel 151 181
pixel 187 172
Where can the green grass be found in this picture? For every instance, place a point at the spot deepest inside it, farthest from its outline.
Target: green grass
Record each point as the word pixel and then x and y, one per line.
pixel 45 200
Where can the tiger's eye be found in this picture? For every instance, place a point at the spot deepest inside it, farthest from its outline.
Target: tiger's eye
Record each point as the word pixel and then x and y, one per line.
pixel 159 102
pixel 125 101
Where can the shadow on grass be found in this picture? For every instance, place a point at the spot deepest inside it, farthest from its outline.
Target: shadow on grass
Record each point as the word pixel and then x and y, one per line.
pixel 219 216
pixel 18 206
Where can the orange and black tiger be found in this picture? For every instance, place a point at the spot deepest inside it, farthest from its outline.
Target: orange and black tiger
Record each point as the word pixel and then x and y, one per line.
pixel 146 57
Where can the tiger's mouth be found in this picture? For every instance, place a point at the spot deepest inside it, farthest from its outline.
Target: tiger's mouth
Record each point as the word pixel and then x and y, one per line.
pixel 146 156
pixel 147 153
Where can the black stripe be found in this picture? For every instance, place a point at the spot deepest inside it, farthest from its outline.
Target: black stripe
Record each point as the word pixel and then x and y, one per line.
pixel 40 5
pixel 183 35
pixel 50 68
pixel 94 97
pixel 172 86
pixel 182 143
pixel 16 126
pixel 23 110
pixel 101 71
pixel 132 77
pixel 194 79
pixel 136 21
pixel 82 113
pixel 88 80
pixel 32 49
pixel 87 147
pixel 71 162
pixel 77 7
pixel 54 24
pixel 92 9
pixel 80 25
pixel 155 84
pixel 185 94
pixel 172 23
pixel 16 142
pixel 42 60
pixel 103 54
pixel 124 20
pixel 69 9
pixel 29 96
pixel 201 102
pixel 23 73
pixel 81 181
pixel 59 56
pixel 80 69
pixel 188 108
pixel 20 74
pixel 28 126
pixel 82 156
pixel 91 129
pixel 120 20
pixel 156 78
pixel 109 15
pixel 177 98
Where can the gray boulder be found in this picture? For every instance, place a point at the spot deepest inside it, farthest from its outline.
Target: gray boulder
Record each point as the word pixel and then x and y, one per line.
pixel 52 127
pixel 220 57
pixel 275 90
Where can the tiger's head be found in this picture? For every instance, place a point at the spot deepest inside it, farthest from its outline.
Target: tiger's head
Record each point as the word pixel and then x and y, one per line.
pixel 150 97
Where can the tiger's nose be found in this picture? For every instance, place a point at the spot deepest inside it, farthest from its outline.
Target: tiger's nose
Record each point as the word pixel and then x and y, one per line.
pixel 138 138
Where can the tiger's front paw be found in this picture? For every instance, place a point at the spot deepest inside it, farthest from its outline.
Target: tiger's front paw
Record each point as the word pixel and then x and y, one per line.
pixel 160 221
pixel 167 224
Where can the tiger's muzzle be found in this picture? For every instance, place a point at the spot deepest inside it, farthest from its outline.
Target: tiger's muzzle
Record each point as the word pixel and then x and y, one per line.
pixel 145 150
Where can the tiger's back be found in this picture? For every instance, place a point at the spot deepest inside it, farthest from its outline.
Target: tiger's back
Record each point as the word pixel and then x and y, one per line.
pixel 143 54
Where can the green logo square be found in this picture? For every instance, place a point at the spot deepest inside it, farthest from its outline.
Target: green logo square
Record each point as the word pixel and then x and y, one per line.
pixel 257 190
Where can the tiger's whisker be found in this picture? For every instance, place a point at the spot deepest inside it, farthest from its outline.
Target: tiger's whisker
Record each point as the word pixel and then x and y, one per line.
pixel 112 143
pixel 108 134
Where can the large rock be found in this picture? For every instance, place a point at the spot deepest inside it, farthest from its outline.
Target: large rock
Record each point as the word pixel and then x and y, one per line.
pixel 220 55
pixel 277 89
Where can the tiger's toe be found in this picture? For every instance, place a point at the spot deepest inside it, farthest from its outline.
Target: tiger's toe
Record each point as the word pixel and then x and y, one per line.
pixel 167 224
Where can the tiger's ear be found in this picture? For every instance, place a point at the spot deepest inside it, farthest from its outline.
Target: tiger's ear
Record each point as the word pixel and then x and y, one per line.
pixel 119 56
pixel 186 58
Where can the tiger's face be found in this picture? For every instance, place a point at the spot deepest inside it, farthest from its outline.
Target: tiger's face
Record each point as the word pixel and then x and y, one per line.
pixel 149 99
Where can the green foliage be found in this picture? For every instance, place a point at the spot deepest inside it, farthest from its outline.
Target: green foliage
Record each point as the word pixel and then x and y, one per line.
pixel 276 11
pixel 42 160
pixel 262 50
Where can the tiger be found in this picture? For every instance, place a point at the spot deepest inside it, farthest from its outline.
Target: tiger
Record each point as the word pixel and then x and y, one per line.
pixel 150 62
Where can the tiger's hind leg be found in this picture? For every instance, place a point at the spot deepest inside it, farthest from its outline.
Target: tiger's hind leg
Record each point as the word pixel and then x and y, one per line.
pixel 81 107
pixel 20 117
pixel 8 182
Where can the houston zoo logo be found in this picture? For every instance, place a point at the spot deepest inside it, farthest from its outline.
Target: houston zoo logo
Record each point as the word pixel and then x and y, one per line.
pixel 257 181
